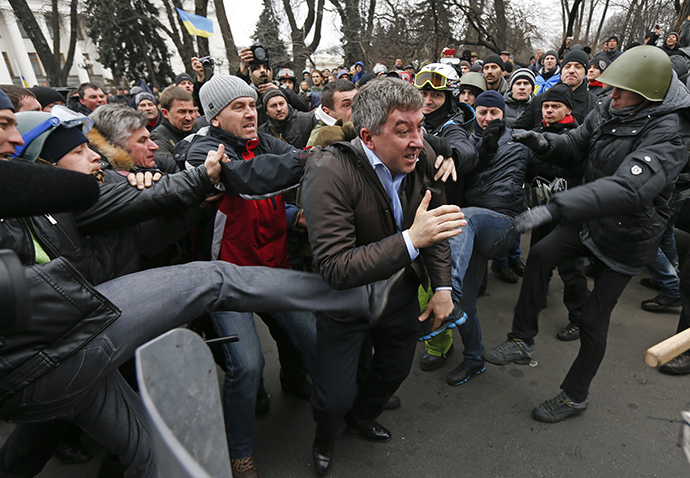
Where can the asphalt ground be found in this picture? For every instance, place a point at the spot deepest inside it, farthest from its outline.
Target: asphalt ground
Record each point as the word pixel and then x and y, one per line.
pixel 484 427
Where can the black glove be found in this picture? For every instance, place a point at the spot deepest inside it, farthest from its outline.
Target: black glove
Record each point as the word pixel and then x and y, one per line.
pixel 440 144
pixel 492 133
pixel 535 217
pixel 533 140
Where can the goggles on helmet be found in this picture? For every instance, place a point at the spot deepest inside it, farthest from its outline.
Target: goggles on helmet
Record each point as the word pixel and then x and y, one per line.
pixel 434 79
pixel 60 116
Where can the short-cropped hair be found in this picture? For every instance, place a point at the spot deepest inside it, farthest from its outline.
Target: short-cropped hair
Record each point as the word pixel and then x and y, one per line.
pixel 172 93
pixel 330 89
pixel 84 86
pixel 117 122
pixel 377 99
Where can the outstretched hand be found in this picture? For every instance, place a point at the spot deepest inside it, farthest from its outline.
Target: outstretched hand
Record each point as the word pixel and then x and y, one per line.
pixel 431 226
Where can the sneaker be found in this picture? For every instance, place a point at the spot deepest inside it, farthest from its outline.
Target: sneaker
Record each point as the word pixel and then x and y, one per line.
pixel 679 365
pixel 432 362
pixel 558 409
pixel 243 468
pixel 569 332
pixel 462 373
pixel 512 351
pixel 650 283
pixel 457 317
pixel 660 303
pixel 518 268
pixel 506 274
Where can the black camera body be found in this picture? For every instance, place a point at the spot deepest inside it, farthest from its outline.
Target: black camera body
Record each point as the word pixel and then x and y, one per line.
pixel 260 54
pixel 208 63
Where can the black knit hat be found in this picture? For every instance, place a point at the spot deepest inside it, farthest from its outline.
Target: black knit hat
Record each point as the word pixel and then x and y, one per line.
pixel 494 58
pixel 46 95
pixel 577 56
pixel 183 77
pixel 491 99
pixel 60 142
pixel 553 53
pixel 561 93
pixel 600 61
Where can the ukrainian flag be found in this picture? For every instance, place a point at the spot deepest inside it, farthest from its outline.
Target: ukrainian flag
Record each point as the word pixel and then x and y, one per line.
pixel 196 25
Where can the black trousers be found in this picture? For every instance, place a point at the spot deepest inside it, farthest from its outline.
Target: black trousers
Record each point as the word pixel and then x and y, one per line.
pixel 560 246
pixel 337 393
pixel 572 273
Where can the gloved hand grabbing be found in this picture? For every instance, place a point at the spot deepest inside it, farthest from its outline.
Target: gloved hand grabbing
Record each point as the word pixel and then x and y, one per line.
pixel 535 141
pixel 535 217
pixel 492 133
pixel 440 144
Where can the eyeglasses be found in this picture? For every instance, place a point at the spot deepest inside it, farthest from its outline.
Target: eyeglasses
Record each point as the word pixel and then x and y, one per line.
pixel 435 79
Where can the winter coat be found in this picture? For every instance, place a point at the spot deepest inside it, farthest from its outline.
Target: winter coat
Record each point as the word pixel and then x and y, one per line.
pixel 165 135
pixel 465 156
pixel 351 224
pixel 515 108
pixel 294 130
pixel 85 248
pixel 497 181
pixel 631 165
pixel 254 232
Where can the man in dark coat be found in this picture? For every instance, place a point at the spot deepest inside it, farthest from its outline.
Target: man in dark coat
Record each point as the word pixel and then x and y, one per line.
pixel 360 200
pixel 634 146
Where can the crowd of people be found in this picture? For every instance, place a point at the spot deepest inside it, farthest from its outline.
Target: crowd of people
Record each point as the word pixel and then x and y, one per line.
pixel 354 213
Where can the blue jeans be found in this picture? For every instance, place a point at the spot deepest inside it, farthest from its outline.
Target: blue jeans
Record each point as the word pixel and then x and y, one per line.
pixel 245 364
pixel 86 388
pixel 664 269
pixel 488 234
pixel 511 257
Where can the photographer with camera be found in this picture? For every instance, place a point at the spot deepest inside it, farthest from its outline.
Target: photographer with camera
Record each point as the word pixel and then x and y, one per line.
pixel 255 70
pixel 203 67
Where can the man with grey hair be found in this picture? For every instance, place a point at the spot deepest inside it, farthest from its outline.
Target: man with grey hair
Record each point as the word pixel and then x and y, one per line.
pixel 119 133
pixel 368 207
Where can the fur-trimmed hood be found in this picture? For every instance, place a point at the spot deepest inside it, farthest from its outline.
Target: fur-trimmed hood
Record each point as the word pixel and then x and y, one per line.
pixel 118 158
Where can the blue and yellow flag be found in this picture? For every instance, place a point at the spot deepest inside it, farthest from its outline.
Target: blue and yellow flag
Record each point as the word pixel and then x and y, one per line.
pixel 196 25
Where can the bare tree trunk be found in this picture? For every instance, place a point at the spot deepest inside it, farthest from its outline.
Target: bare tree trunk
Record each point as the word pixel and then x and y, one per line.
pixel 501 24
pixel 571 20
pixel 601 25
pixel 592 6
pixel 201 9
pixel 228 40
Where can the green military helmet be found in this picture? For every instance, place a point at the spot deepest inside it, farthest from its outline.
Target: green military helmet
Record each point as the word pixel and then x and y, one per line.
pixel 36 126
pixel 473 79
pixel 645 70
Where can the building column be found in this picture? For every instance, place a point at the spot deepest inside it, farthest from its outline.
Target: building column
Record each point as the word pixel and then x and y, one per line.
pixel 19 56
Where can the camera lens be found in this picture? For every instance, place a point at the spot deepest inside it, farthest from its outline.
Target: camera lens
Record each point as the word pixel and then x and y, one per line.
pixel 259 54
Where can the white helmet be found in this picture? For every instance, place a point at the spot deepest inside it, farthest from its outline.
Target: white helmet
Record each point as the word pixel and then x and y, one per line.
pixel 439 77
pixel 379 69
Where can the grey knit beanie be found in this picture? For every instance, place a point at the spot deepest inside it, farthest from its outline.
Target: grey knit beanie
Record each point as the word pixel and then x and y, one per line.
pixel 220 91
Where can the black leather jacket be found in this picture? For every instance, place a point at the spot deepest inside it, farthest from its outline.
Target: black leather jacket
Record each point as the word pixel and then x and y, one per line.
pixel 66 309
